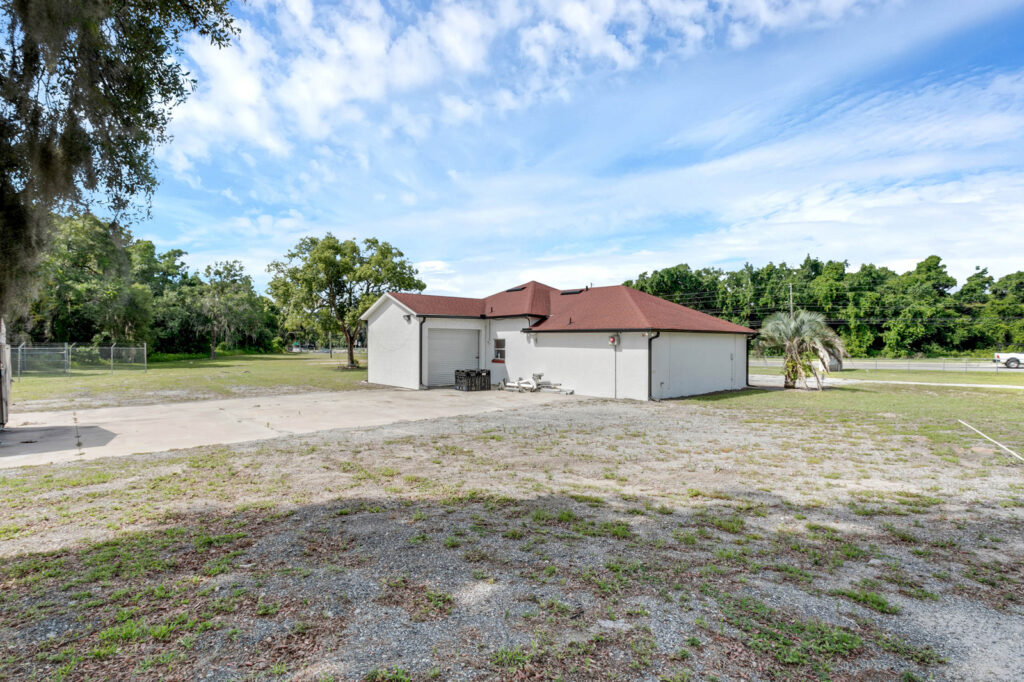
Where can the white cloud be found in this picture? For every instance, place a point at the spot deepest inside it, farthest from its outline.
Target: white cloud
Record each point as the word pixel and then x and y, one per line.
pixel 894 226
pixel 413 61
pixel 457 110
pixel 588 24
pixel 434 267
pixel 463 35
pixel 540 41
pixel 231 106
pixel 313 70
pixel 302 10
pixel 865 180
pixel 416 126
pixel 354 115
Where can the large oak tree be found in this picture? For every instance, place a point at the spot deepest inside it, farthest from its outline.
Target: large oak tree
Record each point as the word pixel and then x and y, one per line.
pixel 86 92
pixel 328 281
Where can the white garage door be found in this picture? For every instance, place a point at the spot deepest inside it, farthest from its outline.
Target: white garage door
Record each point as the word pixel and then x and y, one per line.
pixel 449 350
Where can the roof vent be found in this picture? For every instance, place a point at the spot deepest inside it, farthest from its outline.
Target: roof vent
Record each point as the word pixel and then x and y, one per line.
pixel 508 291
pixel 570 292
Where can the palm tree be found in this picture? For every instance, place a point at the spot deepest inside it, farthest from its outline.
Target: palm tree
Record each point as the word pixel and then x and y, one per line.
pixel 801 338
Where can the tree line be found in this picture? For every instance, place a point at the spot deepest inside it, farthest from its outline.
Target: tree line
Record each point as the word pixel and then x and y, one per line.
pixel 875 310
pixel 97 283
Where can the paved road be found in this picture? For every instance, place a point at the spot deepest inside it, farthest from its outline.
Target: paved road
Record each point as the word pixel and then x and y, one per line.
pixel 956 366
pixel 775 380
pixel 67 435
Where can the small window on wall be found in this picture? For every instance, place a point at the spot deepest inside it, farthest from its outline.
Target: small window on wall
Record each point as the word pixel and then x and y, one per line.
pixel 499 349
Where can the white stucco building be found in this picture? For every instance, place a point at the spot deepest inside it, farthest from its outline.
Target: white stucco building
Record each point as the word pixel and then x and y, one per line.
pixel 611 342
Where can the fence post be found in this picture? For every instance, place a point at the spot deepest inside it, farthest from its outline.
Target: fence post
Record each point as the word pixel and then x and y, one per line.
pixel 145 358
pixel 112 357
pixel 67 360
pixel 21 358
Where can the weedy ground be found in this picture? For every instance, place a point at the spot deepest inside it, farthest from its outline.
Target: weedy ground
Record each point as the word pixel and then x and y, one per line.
pixel 859 533
pixel 236 376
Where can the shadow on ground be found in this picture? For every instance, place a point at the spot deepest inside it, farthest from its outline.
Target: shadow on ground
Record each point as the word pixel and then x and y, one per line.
pixel 19 441
pixel 560 586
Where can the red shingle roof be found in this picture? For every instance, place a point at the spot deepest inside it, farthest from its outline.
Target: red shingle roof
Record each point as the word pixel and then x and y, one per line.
pixel 532 298
pixel 619 308
pixel 614 308
pixel 449 306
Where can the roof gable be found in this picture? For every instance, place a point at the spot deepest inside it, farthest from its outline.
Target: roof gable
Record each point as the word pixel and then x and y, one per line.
pixel 619 307
pixel 530 299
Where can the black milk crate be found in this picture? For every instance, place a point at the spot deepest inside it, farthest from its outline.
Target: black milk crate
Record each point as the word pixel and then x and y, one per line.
pixel 472 379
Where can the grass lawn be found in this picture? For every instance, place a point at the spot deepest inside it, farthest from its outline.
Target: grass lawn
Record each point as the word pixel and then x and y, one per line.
pixel 1006 377
pixel 227 377
pixel 924 412
pixel 856 533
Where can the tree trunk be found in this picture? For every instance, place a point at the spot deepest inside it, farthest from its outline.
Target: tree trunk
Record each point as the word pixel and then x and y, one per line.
pixel 349 337
pixel 789 371
pixel 213 344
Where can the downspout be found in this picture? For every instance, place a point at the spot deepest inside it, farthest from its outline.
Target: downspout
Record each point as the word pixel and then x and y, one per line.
pixel 615 366
pixel 650 367
pixel 747 378
pixel 419 376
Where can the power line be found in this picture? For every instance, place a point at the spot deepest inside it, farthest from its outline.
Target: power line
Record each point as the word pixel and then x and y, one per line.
pixel 924 320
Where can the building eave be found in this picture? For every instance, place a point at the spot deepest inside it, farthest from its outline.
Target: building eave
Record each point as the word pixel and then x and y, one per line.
pixel 379 303
pixel 607 330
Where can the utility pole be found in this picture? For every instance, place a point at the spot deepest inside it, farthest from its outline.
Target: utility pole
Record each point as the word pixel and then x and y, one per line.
pixel 791 299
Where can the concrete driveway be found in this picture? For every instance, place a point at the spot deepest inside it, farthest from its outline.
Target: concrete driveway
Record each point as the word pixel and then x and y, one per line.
pixel 62 436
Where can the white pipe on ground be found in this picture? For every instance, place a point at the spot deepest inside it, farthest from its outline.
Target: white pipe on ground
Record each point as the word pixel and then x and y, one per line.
pixel 991 439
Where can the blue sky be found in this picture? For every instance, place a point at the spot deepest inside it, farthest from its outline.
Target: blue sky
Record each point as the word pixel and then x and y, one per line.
pixel 586 141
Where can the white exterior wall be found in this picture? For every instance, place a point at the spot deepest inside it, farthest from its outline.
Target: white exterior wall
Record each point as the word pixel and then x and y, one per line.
pixel 451 323
pixel 391 346
pixel 515 346
pixel 683 363
pixel 686 363
pixel 582 361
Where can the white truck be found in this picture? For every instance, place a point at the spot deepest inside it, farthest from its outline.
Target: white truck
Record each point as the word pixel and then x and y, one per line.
pixel 1011 360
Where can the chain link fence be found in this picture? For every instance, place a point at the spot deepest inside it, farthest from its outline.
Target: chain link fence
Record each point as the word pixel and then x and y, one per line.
pixel 56 359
